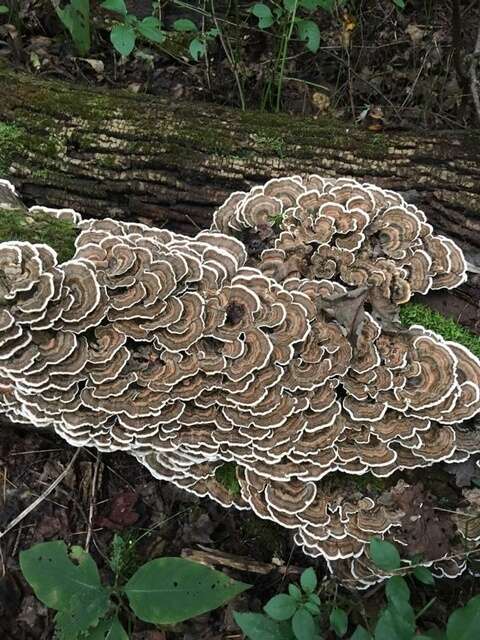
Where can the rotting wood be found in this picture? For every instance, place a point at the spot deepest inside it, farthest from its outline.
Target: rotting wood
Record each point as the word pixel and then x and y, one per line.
pixel 148 159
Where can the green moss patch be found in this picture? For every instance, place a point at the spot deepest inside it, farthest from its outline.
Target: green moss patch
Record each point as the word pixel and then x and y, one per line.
pixel 416 313
pixel 226 475
pixel 39 228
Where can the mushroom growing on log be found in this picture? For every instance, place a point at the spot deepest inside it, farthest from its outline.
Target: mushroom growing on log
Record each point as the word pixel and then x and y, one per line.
pixel 270 342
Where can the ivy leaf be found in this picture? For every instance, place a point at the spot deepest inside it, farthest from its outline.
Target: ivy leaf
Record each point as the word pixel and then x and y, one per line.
pixel 184 25
pixel 281 607
pixel 4 8
pixel 118 6
pixel 123 38
pixel 303 625
pixel 170 590
pixel 150 28
pixel 309 32
pixel 339 621
pixel 264 15
pixel 464 623
pixel 422 574
pixel 361 633
pixel 197 49
pixel 384 554
pixel 110 629
pixel 308 580
pixel 73 590
pixel 257 626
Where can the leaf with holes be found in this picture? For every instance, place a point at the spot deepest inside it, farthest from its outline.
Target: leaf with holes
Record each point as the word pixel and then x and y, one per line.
pixel 170 590
pixel 68 581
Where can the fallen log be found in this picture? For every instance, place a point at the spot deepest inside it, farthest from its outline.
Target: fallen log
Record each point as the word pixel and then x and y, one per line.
pixel 168 163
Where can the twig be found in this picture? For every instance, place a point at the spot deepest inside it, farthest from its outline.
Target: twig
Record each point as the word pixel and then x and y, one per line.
pixel 473 75
pixel 41 497
pixel 242 563
pixel 91 508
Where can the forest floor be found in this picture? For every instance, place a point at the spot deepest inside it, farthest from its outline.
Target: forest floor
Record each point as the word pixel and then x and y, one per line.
pixel 102 495
pixel 410 67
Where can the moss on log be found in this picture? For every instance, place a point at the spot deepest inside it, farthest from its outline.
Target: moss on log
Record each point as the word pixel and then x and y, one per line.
pixel 168 163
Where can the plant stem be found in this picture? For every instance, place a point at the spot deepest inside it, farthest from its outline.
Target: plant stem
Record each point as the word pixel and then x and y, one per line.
pixel 285 43
pixel 425 608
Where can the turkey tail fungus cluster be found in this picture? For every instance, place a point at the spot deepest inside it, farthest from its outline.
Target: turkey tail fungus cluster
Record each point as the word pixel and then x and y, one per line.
pixel 270 345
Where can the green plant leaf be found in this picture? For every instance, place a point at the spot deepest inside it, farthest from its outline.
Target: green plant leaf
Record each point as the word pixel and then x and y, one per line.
pixel 123 38
pixel 197 49
pixel 303 625
pixel 4 8
pixel 290 5
pixel 264 15
pixel 110 629
pixel 422 574
pixel 150 28
pixel 281 607
pixel 392 626
pixel 257 626
pixel 464 623
pixel 295 592
pixel 170 590
pixel 361 633
pixel 397 590
pixel 184 24
pixel 399 3
pixel 398 595
pixel 339 621
pixel 308 580
pixel 309 32
pixel 312 608
pixel 384 554
pixel 75 17
pixel 118 6
pixel 67 581
pixel 314 598
pixel 309 5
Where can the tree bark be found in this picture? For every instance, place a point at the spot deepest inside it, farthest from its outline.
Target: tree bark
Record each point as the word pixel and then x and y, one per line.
pixel 170 164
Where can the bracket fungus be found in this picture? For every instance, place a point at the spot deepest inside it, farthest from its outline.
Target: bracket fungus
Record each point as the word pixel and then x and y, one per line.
pixel 270 342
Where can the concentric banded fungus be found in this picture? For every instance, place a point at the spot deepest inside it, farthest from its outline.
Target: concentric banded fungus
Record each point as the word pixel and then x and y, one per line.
pixel 270 343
